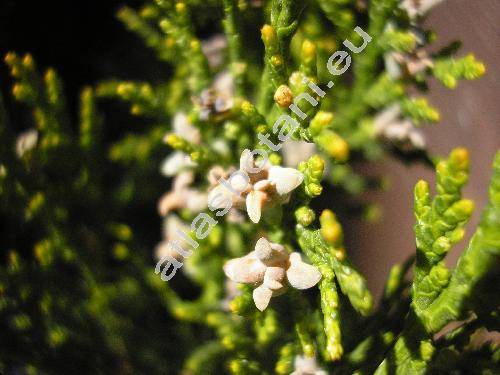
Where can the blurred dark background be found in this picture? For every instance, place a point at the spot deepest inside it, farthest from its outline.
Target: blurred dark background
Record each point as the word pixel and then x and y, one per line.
pixel 83 40
pixel 85 43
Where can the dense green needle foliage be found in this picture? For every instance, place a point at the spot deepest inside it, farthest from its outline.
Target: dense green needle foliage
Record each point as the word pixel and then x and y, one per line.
pixel 78 288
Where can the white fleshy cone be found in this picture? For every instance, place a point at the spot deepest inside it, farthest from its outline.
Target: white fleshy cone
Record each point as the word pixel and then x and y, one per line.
pixel 272 270
pixel 265 185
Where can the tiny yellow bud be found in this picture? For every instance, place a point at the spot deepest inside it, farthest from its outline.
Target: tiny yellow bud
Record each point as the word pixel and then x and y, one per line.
pixel 28 61
pixel 283 96
pixel 196 156
pixel 317 165
pixel 262 129
pixel 339 149
pixel 195 45
pixel 136 110
pixel 426 350
pixel 339 254
pixel 481 68
pixel 434 115
pixel 330 228
pixel 211 319
pixel 10 57
pixel 178 312
pixel 460 156
pixel 17 90
pixel 466 206
pixel 388 337
pixel 246 107
pixel 309 350
pixel 422 188
pixel 327 215
pixel 324 118
pixel 228 343
pixel 172 139
pixel 320 121
pixel 180 7
pixel 331 233
pixel 147 12
pixel 123 89
pixel 282 368
pixel 169 42
pixel 268 34
pixel 50 75
pixel 120 251
pixel 308 48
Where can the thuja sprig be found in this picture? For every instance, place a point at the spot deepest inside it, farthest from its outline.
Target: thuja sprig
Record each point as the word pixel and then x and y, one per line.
pixel 440 297
pixel 439 225
pixel 480 260
pixel 284 19
pixel 334 266
pixel 143 98
pixel 232 28
pixel 331 312
pixel 179 27
pixel 419 110
pixel 197 153
pixel 138 22
pixel 450 70
pixel 312 170
pixel 340 15
pixel 42 93
pixel 384 91
pixel 274 60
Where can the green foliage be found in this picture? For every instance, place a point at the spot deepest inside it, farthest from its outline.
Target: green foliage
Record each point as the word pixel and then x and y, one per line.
pixel 68 268
pixel 78 289
pixel 440 296
pixel 449 70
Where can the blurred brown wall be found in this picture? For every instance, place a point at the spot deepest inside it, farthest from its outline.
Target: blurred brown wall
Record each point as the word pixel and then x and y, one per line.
pixel 470 118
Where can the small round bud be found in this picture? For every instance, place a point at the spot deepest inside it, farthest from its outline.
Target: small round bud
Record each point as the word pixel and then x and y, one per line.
pixel 283 96
pixel 10 57
pixel 262 129
pixel 169 42
pixel 172 140
pixel 120 251
pixel 28 61
pixel 125 90
pixel 247 108
pixel 337 147
pixel 460 156
pixel 180 7
pixel 308 49
pixel 195 45
pixel 196 156
pixel 330 227
pixel 305 216
pixel 339 254
pixel 316 165
pixel 314 189
pixel 422 189
pixel 269 35
pixel 136 110
pixel 320 121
